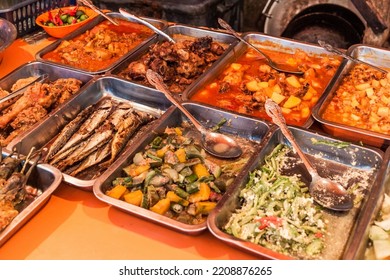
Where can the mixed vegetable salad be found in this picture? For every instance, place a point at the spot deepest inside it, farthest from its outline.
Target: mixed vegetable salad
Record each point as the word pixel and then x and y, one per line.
pixel 277 211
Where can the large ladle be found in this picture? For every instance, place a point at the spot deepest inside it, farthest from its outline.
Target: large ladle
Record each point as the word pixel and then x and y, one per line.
pixel 332 49
pixel 129 15
pixel 270 62
pixel 215 143
pixel 325 192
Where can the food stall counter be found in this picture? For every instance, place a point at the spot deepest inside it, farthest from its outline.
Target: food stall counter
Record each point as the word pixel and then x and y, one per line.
pixel 75 225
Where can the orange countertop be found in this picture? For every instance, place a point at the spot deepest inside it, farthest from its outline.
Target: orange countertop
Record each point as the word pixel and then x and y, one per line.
pixel 75 225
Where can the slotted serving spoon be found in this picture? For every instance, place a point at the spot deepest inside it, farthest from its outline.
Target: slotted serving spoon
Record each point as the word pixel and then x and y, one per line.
pixel 270 62
pixel 332 49
pixel 215 143
pixel 324 191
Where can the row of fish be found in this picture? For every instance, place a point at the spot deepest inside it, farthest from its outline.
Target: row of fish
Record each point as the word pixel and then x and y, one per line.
pixel 95 136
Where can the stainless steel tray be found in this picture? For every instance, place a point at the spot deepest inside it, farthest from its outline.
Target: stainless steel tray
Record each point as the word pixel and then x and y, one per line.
pixel 161 24
pixel 175 30
pixel 141 98
pixel 376 56
pixel 329 161
pixel 370 211
pixel 284 45
pixel 36 68
pixel 43 177
pixel 242 127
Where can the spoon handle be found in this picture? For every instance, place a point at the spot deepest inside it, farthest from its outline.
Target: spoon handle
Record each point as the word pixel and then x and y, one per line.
pixel 157 81
pixel 273 110
pixel 226 26
pixel 332 49
pixel 89 4
pixel 125 13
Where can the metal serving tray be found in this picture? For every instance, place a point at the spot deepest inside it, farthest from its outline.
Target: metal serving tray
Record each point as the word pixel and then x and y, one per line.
pixel 329 161
pixel 370 211
pixel 273 43
pixel 174 30
pixel 36 68
pixel 161 24
pixel 376 56
pixel 141 98
pixel 243 127
pixel 43 177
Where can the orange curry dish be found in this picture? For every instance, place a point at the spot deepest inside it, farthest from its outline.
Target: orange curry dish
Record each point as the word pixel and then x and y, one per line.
pixel 100 47
pixel 245 84
pixel 362 100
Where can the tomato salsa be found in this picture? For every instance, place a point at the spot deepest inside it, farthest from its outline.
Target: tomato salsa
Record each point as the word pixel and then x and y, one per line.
pixel 245 84
pixel 100 47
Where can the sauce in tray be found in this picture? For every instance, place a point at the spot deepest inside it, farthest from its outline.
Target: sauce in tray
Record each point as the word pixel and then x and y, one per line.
pixel 100 47
pixel 245 84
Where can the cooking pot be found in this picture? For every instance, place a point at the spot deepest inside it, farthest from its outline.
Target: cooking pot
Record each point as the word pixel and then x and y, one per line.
pixel 324 26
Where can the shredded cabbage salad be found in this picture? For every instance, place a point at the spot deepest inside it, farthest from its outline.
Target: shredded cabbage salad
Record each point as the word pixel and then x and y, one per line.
pixel 277 211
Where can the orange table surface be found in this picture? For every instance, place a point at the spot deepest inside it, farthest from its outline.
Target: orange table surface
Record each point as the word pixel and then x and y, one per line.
pixel 75 225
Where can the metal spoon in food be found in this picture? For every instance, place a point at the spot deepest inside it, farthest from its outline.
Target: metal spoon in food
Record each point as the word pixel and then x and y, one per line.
pixel 215 143
pixel 270 62
pixel 126 14
pixel 324 191
pixel 89 4
pixel 332 49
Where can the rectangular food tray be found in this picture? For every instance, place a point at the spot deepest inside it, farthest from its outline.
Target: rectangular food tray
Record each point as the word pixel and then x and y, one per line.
pixel 284 45
pixel 161 24
pixel 374 55
pixel 370 211
pixel 141 98
pixel 242 127
pixel 174 30
pixel 46 179
pixel 329 161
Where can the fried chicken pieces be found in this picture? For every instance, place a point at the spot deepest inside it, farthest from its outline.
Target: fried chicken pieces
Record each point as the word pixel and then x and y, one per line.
pixel 35 103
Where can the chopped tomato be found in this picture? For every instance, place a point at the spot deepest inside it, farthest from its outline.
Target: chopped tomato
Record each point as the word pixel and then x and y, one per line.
pixel 266 221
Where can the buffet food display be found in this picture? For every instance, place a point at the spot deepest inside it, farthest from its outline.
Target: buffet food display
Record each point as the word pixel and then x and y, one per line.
pixel 98 125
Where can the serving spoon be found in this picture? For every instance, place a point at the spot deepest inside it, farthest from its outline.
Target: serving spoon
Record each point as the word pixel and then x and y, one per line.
pixel 270 62
pixel 324 191
pixel 126 14
pixel 334 50
pixel 215 143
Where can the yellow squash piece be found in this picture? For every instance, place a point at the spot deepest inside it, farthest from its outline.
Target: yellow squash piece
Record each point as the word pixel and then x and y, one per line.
pixel 181 155
pixel 204 207
pixel 175 198
pixel 134 170
pixel 202 194
pixel 200 170
pixel 161 206
pixel 134 198
pixel 117 191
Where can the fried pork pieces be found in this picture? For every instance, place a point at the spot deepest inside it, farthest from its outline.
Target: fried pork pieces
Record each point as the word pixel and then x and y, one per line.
pixel 178 63
pixel 36 102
